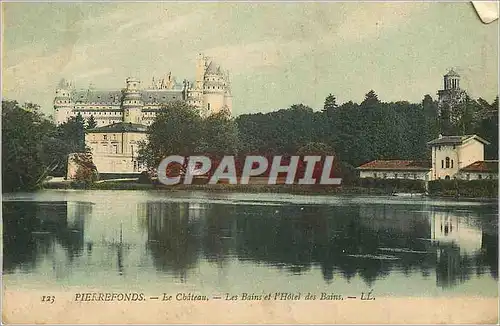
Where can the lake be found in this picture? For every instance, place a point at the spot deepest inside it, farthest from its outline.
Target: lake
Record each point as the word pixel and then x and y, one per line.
pixel 209 243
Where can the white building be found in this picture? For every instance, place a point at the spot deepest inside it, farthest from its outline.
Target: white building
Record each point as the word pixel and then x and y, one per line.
pixel 452 157
pixel 450 154
pixel 479 170
pixel 395 169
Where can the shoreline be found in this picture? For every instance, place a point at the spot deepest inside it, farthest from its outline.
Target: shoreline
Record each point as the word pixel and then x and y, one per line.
pixel 264 188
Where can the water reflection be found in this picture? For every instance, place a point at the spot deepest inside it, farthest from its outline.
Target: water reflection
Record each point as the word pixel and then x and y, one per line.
pixel 172 240
pixel 32 230
pixel 370 241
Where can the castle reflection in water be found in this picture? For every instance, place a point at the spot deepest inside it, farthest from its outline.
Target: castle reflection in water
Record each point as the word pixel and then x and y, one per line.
pixel 366 240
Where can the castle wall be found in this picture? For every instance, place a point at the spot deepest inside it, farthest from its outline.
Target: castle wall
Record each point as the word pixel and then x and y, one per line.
pixel 115 163
pixel 213 103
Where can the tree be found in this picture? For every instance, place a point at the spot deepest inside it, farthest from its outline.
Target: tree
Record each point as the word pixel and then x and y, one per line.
pixel 464 117
pixel 371 99
pixel 176 130
pixel 219 135
pixel 91 123
pixel 330 104
pixel 73 132
pixel 445 126
pixel 86 171
pixel 23 165
pixel 431 113
pixel 314 148
pixel 487 126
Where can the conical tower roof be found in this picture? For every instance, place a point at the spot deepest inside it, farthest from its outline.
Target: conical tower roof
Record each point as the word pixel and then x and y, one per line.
pixel 213 69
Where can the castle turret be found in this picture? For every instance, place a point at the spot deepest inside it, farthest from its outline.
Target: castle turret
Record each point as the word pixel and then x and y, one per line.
pixel 214 89
pixel 63 104
pixel 132 102
pixel 201 66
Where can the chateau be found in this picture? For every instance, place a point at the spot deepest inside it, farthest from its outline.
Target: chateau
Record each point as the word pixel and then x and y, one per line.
pixel 210 92
pixel 122 115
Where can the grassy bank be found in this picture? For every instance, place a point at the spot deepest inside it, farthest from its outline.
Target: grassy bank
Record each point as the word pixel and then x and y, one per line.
pixel 464 188
pixel 487 189
pixel 248 188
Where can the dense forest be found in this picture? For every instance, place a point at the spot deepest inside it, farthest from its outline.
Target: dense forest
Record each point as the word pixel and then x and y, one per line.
pixel 371 130
pixel 354 133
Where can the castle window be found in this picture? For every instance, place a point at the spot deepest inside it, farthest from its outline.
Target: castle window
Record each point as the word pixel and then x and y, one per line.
pixel 452 164
pixel 439 148
pixel 442 164
pixel 447 162
pixel 105 137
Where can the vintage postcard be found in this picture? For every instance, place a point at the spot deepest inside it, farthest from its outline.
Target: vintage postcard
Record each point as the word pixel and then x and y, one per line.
pixel 250 162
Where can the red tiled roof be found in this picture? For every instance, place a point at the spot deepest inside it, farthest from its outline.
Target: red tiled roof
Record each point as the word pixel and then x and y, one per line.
pixel 456 140
pixel 482 166
pixel 396 165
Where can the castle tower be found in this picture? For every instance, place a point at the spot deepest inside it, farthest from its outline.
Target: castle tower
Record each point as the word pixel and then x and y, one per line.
pixel 201 66
pixel 132 102
pixel 214 89
pixel 194 93
pixel 63 104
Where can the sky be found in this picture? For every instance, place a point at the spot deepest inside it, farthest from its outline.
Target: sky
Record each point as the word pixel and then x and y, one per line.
pixel 278 54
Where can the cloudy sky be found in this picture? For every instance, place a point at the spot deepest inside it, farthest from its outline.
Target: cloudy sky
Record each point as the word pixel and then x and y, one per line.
pixel 278 54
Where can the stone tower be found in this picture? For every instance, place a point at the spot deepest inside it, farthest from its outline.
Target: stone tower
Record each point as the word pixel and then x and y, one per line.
pixel 195 96
pixel 63 104
pixel 213 89
pixel 132 102
pixel 451 93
